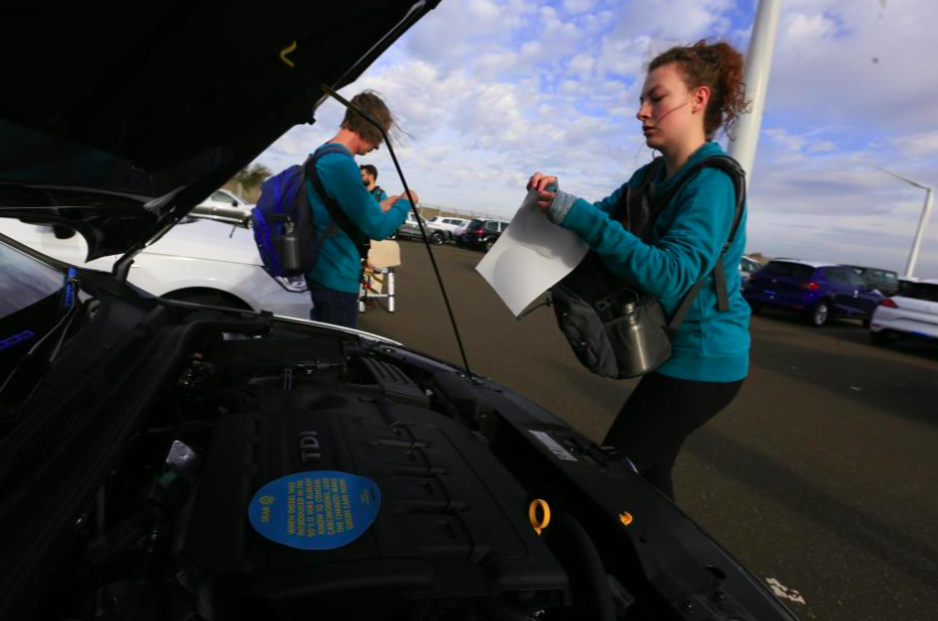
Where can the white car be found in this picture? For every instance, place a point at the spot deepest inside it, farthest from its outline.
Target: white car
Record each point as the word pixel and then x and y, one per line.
pixel 747 267
pixel 448 225
pixel 911 313
pixel 224 206
pixel 197 261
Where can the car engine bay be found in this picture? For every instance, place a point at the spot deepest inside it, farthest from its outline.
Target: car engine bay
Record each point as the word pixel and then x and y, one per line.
pixel 482 504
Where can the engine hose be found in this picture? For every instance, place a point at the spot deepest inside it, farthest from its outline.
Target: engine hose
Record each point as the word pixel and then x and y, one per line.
pixel 574 548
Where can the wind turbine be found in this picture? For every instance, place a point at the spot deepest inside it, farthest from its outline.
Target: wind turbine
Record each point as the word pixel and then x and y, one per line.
pixel 923 221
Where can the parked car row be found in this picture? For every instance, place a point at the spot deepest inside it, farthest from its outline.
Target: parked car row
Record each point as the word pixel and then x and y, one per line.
pixel 891 309
pixel 818 291
pixel 477 234
pixel 440 229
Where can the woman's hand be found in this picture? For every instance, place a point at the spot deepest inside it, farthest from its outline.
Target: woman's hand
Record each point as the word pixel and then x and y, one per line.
pixel 546 186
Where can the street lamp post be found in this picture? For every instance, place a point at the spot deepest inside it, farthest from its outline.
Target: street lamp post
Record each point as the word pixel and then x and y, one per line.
pixel 923 220
pixel 758 65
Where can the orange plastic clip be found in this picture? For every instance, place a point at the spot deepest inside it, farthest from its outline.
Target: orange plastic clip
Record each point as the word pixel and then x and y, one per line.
pixel 539 523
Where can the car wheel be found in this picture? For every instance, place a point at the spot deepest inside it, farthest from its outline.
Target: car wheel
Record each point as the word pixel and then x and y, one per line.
pixel 438 238
pixel 882 338
pixel 819 314
pixel 488 245
pixel 866 323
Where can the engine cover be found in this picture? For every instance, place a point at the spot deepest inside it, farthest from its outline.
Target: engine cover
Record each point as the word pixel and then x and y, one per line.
pixel 452 523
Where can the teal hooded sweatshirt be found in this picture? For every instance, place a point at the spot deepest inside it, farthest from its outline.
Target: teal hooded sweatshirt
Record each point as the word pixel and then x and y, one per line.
pixel 339 263
pixel 685 243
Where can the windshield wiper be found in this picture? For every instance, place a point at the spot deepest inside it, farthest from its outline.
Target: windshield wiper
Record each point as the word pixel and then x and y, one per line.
pixel 28 373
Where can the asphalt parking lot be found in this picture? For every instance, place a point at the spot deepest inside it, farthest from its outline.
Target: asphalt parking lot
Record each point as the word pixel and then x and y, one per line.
pixel 820 477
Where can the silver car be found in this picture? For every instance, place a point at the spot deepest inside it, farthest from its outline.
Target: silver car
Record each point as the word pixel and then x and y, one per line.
pixel 411 230
pixel 224 206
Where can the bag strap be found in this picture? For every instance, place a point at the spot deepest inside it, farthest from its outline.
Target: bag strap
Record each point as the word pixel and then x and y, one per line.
pixel 630 202
pixel 338 215
pixel 736 173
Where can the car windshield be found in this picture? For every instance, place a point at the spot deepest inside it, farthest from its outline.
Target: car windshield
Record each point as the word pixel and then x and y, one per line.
pixel 25 281
pixel 476 223
pixel 921 291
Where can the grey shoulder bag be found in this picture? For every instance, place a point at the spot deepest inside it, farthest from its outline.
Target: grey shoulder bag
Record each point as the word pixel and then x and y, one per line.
pixel 614 329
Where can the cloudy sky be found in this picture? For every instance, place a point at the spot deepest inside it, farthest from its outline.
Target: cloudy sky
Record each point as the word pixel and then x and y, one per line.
pixel 492 90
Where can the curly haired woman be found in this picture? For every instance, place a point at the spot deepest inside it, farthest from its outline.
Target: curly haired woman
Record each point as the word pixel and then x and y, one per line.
pixel 689 94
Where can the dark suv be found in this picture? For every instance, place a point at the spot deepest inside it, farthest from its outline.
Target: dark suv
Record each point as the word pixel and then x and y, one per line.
pixel 482 234
pixel 887 281
pixel 816 290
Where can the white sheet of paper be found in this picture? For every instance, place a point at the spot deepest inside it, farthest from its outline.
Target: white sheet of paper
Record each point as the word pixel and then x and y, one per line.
pixel 530 257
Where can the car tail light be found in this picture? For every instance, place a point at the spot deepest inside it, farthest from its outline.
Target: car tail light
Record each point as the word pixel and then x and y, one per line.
pixel 889 303
pixel 479 231
pixel 810 286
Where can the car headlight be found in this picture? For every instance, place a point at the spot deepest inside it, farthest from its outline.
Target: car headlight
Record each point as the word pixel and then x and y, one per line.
pixel 293 284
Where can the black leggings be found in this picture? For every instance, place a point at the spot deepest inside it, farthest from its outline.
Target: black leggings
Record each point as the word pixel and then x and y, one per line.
pixel 658 417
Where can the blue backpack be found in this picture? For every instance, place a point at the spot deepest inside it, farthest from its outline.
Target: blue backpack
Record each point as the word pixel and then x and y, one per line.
pixel 283 220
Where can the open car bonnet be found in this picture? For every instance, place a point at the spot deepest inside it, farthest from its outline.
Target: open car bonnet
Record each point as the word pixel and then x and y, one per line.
pixel 117 120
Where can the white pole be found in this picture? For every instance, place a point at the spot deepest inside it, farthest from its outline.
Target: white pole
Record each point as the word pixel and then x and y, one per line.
pixel 922 223
pixel 758 66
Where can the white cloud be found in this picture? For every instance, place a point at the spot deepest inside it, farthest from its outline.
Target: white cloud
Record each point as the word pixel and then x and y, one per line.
pixel 582 64
pixel 675 20
pixel 918 145
pixel 846 61
pixel 493 90
pixel 575 7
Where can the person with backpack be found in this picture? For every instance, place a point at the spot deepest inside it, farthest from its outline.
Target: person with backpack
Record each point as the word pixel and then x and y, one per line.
pixel 688 95
pixel 370 181
pixel 345 214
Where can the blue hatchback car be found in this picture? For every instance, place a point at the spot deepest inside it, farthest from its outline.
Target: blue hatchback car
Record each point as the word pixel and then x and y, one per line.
pixel 818 291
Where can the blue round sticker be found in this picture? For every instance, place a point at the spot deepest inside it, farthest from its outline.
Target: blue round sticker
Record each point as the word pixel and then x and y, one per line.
pixel 317 510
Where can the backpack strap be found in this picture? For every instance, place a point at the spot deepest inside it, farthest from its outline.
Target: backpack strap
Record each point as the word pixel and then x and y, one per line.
pixel 732 168
pixel 335 210
pixel 303 203
pixel 631 208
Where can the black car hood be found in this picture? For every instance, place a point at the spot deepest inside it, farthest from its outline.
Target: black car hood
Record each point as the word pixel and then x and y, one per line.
pixel 118 119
